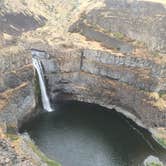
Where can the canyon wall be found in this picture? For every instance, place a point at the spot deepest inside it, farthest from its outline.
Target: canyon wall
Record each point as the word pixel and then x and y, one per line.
pixel 17 99
pixel 141 20
pixel 133 86
pixel 17 88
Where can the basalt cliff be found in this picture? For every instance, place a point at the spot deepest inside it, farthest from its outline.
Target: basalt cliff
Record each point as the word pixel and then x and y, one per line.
pixel 112 53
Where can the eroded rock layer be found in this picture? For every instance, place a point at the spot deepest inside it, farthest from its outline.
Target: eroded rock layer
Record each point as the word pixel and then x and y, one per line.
pixel 143 21
pixel 16 86
pixel 136 85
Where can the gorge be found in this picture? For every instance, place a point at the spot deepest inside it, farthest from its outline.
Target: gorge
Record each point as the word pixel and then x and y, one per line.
pixel 104 52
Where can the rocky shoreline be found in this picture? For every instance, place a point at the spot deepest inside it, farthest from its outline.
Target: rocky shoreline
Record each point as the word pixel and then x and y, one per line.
pixel 20 150
pixel 7 154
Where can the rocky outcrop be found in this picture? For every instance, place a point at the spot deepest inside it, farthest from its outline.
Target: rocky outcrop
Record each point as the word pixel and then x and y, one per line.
pixel 17 103
pixel 152 160
pixel 143 21
pixel 17 23
pixel 20 150
pixel 16 87
pixel 8 156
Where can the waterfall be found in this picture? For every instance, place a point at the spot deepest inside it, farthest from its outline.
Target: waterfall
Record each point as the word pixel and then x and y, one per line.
pixel 45 99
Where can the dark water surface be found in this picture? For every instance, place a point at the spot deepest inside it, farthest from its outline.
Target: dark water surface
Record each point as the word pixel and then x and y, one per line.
pixel 80 134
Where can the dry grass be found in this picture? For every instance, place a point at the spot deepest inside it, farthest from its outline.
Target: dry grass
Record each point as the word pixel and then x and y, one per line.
pixel 14 50
pixel 60 15
pixel 160 103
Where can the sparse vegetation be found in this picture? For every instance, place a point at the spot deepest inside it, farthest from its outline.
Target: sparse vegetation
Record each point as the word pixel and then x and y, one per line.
pixel 162 93
pixel 42 156
pixel 12 137
pixel 118 35
pixel 162 141
pixel 16 140
pixel 153 164
pixel 155 54
pixel 139 44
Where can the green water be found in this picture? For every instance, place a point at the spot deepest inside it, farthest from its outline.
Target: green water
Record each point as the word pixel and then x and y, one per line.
pixel 80 134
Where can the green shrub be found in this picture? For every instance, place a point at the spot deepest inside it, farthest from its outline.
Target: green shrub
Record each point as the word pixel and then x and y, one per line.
pixel 162 141
pixel 118 35
pixel 154 164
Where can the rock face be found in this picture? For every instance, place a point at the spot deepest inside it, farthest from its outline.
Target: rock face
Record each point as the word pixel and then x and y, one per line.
pixel 16 87
pixel 140 20
pixel 17 23
pixel 152 160
pixel 8 155
pixel 133 86
pixel 17 103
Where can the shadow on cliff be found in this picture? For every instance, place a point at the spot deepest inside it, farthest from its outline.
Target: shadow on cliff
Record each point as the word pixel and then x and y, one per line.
pixel 16 23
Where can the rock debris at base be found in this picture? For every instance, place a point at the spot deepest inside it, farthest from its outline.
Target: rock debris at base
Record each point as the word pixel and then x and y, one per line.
pixel 9 157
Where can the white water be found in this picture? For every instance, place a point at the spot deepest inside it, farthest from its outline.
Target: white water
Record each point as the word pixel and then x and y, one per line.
pixel 45 99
